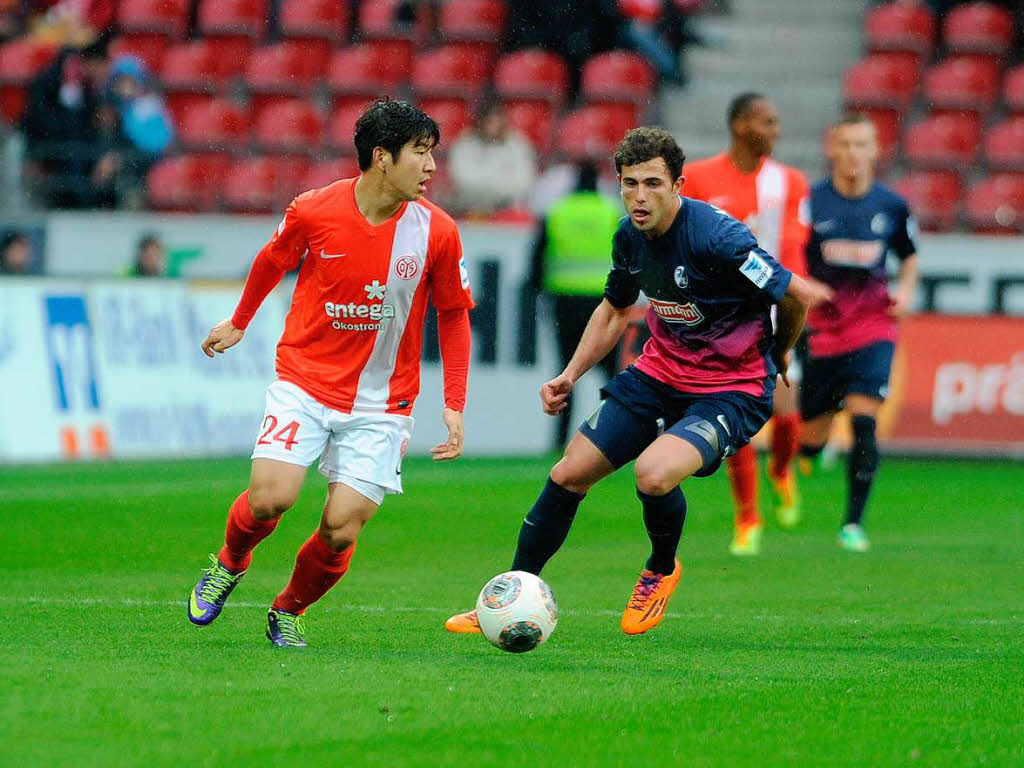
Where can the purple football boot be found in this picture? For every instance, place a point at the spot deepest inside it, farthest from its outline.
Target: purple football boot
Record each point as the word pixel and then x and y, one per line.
pixel 206 601
pixel 285 630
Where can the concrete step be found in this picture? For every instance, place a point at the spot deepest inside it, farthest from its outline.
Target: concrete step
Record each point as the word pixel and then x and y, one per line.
pixel 778 64
pixel 841 12
pixel 809 45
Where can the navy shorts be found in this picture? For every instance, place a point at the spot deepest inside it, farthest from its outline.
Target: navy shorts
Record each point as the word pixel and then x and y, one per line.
pixel 828 380
pixel 637 408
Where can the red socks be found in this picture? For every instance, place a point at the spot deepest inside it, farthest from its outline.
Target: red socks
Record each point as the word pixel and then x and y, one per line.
pixel 242 534
pixel 785 444
pixel 742 467
pixel 317 569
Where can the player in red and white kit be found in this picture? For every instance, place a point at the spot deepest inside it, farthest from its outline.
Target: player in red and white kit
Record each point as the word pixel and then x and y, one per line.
pixel 372 251
pixel 771 199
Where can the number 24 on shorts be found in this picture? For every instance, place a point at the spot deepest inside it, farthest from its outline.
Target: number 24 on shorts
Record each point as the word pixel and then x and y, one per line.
pixel 284 435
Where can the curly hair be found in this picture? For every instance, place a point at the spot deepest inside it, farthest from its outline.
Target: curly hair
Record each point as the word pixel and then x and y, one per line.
pixel 642 144
pixel 391 125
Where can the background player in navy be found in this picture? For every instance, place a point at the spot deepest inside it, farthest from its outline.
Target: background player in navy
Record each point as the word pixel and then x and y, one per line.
pixel 704 383
pixel 855 224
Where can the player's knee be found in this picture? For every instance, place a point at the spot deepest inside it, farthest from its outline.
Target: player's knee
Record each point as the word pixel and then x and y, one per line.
pixel 342 537
pixel 652 479
pixel 269 501
pixel 569 475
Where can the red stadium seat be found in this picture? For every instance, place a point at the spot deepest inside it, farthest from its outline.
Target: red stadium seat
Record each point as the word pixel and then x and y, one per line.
pixel 535 120
pixel 263 184
pixel 366 69
pixel 20 61
pixel 482 20
pixel 342 127
pixel 327 172
pixel 978 27
pixel 452 116
pixel 193 72
pixel 378 20
pixel 282 70
pixel 150 48
pixel 290 127
pixel 593 131
pixel 234 25
pixel 942 141
pixel 1004 145
pixel 888 123
pixel 315 20
pixel 617 76
pixel 168 18
pixel 1013 89
pixel 934 197
pixel 184 183
pixel 996 205
pixel 881 80
pixel 450 71
pixel 215 124
pixel 532 74
pixel 962 83
pixel 899 26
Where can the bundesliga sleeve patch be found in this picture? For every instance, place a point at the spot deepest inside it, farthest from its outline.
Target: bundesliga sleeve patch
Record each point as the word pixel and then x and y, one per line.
pixel 757 270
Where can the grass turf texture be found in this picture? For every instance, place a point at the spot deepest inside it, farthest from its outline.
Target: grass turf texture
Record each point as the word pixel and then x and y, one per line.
pixel 804 656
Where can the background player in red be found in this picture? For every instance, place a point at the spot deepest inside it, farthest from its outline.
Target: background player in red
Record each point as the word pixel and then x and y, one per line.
pixel 348 364
pixel 856 224
pixel 771 199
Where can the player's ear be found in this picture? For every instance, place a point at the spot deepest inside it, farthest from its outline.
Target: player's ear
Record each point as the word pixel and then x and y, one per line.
pixel 679 183
pixel 381 159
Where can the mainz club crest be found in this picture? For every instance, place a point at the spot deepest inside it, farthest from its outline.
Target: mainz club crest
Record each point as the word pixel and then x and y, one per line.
pixel 406 267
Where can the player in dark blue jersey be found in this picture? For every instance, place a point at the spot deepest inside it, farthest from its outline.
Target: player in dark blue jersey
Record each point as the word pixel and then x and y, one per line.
pixel 855 224
pixel 703 385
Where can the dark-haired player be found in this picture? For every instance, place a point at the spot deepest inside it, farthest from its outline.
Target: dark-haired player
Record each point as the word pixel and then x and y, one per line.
pixel 855 224
pixel 348 363
pixel 702 386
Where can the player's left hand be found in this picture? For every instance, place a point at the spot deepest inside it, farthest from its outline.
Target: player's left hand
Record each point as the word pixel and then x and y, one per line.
pixel 899 305
pixel 782 363
pixel 452 447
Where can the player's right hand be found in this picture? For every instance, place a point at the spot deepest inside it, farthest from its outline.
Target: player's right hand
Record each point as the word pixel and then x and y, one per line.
pixel 222 336
pixel 820 292
pixel 554 394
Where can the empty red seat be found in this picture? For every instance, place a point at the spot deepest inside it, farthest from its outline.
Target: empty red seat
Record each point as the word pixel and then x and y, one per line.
pixel 942 141
pixel 881 80
pixel 482 20
pixel 617 76
pixel 452 116
pixel 185 183
pixel 290 127
pixel 198 67
pixel 1004 145
pixel 996 204
pixel 327 172
pixel 314 20
pixel 366 69
pixel 214 124
pixel 263 184
pixel 20 61
pixel 234 25
pixel 278 71
pixel 164 17
pixel 1013 89
pixel 900 26
pixel 450 71
pixel 593 132
pixel 534 119
pixel 934 197
pixel 888 123
pixel 978 27
pixel 342 127
pixel 962 82
pixel 150 48
pixel 532 74
pixel 379 20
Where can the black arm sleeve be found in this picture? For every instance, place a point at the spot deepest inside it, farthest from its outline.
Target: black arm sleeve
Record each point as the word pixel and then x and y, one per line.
pixel 622 288
pixel 906 231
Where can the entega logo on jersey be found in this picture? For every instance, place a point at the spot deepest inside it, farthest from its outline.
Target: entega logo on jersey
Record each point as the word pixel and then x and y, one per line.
pixel 674 313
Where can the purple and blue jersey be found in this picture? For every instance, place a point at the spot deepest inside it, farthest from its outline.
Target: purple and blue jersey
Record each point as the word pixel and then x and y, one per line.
pixel 850 240
pixel 710 289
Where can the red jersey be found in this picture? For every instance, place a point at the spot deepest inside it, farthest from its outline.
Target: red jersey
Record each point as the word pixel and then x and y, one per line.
pixel 771 201
pixel 354 332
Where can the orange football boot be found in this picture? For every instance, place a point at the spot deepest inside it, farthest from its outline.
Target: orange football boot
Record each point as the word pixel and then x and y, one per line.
pixel 463 623
pixel 649 601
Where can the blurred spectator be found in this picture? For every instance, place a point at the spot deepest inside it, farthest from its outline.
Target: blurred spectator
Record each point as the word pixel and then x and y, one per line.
pixel 492 165
pixel 570 264
pixel 15 254
pixel 641 30
pixel 150 257
pixel 143 116
pixel 559 180
pixel 65 155
pixel 75 23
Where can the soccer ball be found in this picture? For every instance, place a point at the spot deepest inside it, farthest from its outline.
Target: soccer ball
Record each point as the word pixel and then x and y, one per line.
pixel 517 611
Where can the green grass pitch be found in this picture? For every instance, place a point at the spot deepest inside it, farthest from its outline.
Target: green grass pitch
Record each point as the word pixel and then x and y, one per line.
pixel 805 656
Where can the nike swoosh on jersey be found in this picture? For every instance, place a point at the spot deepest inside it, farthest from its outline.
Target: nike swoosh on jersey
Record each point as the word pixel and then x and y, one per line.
pixel 325 255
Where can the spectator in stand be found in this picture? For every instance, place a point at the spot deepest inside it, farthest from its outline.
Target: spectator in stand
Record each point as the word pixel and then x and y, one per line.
pixel 641 30
pixel 492 165
pixel 144 118
pixel 150 257
pixel 15 254
pixel 75 23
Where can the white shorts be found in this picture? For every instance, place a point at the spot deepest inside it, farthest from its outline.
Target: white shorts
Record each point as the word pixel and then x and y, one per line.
pixel 364 451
